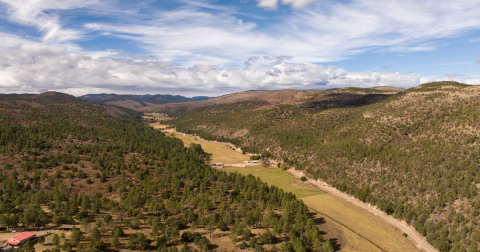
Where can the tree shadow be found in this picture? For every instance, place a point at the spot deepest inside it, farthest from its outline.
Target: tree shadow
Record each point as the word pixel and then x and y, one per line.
pixel 319 221
pixel 213 246
pixel 335 244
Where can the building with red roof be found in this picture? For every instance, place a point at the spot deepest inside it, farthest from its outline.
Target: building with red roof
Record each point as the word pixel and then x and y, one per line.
pixel 21 238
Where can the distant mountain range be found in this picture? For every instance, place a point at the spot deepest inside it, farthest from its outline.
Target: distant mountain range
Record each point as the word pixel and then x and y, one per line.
pixel 138 101
pixel 176 105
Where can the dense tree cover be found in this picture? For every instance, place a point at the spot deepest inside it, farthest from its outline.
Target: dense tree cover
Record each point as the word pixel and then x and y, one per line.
pixel 415 155
pixel 75 157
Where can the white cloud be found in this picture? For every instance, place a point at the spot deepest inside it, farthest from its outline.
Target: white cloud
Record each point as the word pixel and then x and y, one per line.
pixel 10 40
pixel 329 32
pixel 273 4
pixel 268 4
pixel 332 31
pixel 36 13
pixel 36 68
pixel 297 4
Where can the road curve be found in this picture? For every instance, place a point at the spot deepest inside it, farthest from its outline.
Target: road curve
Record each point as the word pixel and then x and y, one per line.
pixel 412 233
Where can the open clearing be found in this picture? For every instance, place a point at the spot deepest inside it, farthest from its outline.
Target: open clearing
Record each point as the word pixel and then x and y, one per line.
pixel 361 225
pixel 157 116
pixel 362 222
pixel 274 176
pixel 220 153
pixel 162 127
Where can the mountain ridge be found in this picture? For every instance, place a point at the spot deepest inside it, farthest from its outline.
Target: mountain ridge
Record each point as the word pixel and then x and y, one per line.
pixel 138 101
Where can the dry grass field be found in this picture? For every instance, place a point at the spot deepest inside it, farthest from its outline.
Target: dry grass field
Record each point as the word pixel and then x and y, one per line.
pixel 220 153
pixel 156 116
pixel 274 176
pixel 362 222
pixel 159 126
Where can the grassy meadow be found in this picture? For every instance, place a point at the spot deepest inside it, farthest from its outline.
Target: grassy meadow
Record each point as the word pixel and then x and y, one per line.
pixel 362 222
pixel 220 153
pixel 281 179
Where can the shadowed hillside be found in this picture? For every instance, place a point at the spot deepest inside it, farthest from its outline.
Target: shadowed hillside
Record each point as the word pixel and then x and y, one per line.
pixel 138 101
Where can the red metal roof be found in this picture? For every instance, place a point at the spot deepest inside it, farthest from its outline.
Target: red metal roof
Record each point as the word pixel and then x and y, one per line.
pixel 19 238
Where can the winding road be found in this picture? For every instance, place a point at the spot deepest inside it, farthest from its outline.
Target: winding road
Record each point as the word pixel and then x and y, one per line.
pixel 412 233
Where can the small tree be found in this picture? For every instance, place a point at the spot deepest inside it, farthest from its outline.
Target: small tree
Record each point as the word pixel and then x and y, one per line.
pixel 327 246
pixel 252 242
pixel 28 246
pixel 118 231
pixel 138 241
pixel 115 241
pixel 76 235
pixel 41 239
pixel 96 235
pixel 211 227
pixel 258 248
pixel 107 218
pixel 55 240
pixel 84 224
pixel 267 238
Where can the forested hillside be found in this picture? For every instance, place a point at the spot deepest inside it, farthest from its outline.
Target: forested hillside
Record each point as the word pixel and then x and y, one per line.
pixel 414 154
pixel 127 186
pixel 139 101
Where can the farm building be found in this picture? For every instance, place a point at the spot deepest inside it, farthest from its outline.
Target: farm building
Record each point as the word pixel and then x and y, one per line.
pixel 246 162
pixel 66 227
pixel 21 238
pixel 255 161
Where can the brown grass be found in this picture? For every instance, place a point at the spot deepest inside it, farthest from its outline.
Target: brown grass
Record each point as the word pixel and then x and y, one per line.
pixel 361 222
pixel 219 152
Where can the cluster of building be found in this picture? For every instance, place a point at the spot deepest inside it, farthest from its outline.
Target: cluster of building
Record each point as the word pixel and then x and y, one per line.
pixel 18 241
pixel 246 162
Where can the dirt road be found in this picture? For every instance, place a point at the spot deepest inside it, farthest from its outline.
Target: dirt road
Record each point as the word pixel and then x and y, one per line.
pixel 412 233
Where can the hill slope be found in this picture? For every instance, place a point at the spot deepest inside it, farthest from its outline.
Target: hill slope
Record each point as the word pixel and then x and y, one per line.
pixel 138 101
pixel 263 99
pixel 415 154
pixel 66 160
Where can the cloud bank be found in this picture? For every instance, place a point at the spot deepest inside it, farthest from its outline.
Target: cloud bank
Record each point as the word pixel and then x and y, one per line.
pixel 323 32
pixel 39 68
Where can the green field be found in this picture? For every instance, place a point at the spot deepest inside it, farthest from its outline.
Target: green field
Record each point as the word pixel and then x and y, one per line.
pixel 281 179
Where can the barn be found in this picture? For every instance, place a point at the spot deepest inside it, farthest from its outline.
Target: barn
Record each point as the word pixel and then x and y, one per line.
pixel 21 238
pixel 66 227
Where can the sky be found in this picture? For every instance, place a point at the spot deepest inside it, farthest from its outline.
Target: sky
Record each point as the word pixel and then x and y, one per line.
pixel 211 48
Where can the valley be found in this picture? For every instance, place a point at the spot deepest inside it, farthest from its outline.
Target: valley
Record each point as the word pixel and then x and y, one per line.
pixel 413 154
pixel 349 226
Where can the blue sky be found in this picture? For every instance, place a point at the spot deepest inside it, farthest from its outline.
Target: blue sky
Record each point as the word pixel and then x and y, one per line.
pixel 207 47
